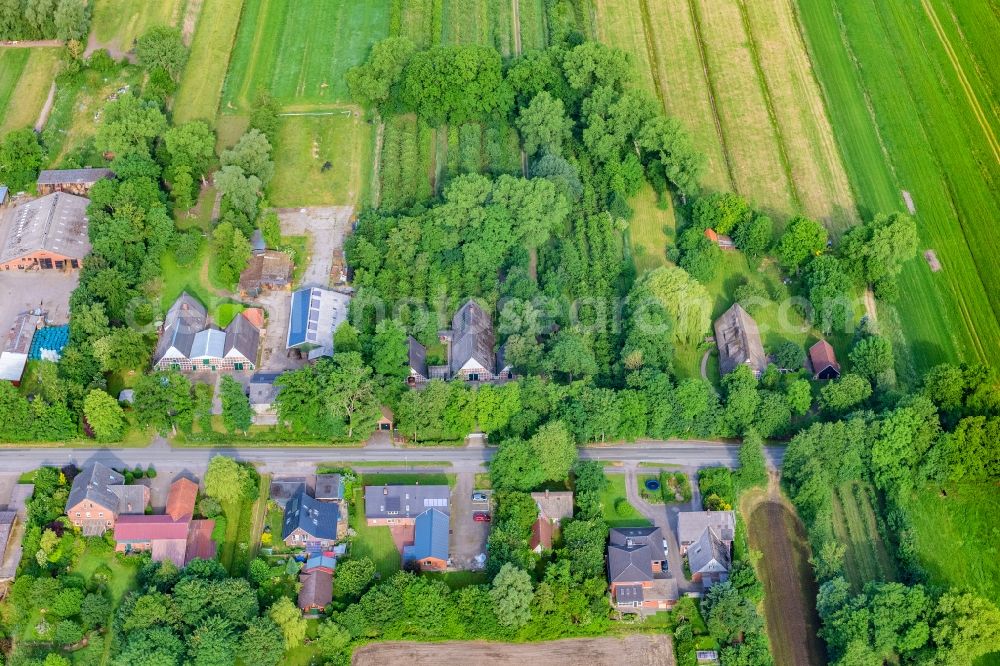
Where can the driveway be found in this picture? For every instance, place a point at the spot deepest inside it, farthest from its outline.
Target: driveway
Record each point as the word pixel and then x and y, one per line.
pixel 468 538
pixel 665 517
pixel 326 227
pixel 21 291
pixel 274 353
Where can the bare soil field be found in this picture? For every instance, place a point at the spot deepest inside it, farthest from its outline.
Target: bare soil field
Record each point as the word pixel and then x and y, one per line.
pixel 633 650
pixel 789 588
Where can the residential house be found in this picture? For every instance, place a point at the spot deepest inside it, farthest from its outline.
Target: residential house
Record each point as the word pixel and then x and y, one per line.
pixel 541 535
pixel 262 392
pixel 706 538
pixel 174 535
pixel 99 496
pixel 471 356
pixel 400 505
pixel 738 340
pixel 824 361
pixel 47 233
pixel 316 591
pixel 188 342
pixel 430 541
pixel 267 270
pixel 315 315
pixel 555 505
pixel 309 523
pixel 637 575
pixel 71 181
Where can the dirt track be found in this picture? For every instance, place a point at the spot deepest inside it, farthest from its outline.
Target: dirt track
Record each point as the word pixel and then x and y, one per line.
pixel 633 650
pixel 789 588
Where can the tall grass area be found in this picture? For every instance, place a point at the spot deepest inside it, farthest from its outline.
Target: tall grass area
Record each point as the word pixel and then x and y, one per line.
pixel 301 50
pixel 856 527
pixel 406 164
pixel 198 96
pixel 120 22
pixel 26 76
pixel 903 122
pixel 417 20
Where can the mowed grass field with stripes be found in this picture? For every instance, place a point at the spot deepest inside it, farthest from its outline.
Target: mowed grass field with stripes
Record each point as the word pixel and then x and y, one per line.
pixel 832 110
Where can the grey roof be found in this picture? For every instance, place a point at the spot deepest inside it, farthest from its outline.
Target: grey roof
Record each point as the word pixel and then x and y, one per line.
pixel 315 315
pixel 184 320
pixel 208 343
pixel 257 243
pixel 76 176
pixel 629 564
pixel 95 483
pixel 418 356
pixel 708 554
pixel 430 536
pixel 472 338
pixel 56 223
pixel 317 519
pixel 638 536
pixel 131 499
pixel 262 390
pixel 242 336
pixel 738 340
pixel 329 487
pixel 317 589
pixel 405 501
pixel 554 504
pixel 627 594
pixel 690 525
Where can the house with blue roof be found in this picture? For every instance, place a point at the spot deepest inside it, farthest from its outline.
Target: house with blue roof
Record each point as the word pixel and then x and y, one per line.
pixel 430 541
pixel 315 315
pixel 309 523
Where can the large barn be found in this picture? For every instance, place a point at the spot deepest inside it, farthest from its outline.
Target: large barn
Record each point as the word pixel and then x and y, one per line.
pixel 47 233
pixel 739 342
pixel 71 181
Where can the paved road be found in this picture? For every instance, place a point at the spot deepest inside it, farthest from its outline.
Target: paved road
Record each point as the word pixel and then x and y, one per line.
pixel 290 460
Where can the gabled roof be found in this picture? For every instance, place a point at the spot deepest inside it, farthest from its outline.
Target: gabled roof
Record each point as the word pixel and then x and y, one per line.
pixel 149 528
pixel 317 519
pixel 430 536
pixel 181 499
pixel 738 340
pixel 200 544
pixel 267 268
pixel 317 590
pixel 94 483
pixel 242 337
pixel 320 562
pixel 209 343
pixel 73 176
pixel 629 564
pixel 405 501
pixel 418 356
pixel 131 499
pixel 174 550
pixel 184 320
pixel 690 525
pixel 640 536
pixel 541 534
pixel 708 554
pixel 556 505
pixel 822 356
pixel 472 338
pixel 55 223
pixel 315 315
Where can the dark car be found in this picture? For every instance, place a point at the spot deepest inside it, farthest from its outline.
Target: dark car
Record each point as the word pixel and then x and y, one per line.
pixel 481 517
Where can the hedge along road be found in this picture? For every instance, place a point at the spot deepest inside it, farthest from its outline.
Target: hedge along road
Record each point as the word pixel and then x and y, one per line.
pixel 162 456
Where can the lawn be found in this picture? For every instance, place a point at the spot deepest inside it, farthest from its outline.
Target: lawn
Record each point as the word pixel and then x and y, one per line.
pixel 122 574
pixel 198 96
pixel 118 23
pixel 619 513
pixel 322 160
pixel 244 523
pixel 30 73
pixel 855 526
pixel 651 228
pixel 300 51
pixel 904 120
pixel 372 542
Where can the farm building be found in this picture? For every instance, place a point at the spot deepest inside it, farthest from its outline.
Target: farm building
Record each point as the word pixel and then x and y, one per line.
pixel 47 233
pixel 824 361
pixel 470 351
pixel 637 574
pixel 70 181
pixel 188 342
pixel 430 541
pixel 174 535
pixel 99 496
pixel 18 345
pixel 315 315
pixel 267 270
pixel 262 392
pixel 739 342
pixel 724 242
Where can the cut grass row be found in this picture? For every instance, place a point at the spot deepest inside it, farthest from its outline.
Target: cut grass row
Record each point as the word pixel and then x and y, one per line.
pixel 300 51
pixel 201 86
pixel 866 558
pixel 417 20
pixel 26 76
pixel 903 122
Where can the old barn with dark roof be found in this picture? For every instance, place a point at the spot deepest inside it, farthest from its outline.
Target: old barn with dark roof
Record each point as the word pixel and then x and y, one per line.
pixel 71 181
pixel 738 340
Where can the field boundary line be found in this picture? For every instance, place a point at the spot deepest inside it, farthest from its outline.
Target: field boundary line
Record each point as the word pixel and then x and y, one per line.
pixel 242 96
pixel 963 80
pixel 654 58
pixel 772 115
pixel 710 86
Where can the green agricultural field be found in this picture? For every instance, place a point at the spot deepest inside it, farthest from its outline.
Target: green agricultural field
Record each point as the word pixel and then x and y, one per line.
pixel 201 85
pixel 906 118
pixel 417 20
pixel 487 22
pixel 26 75
pixel 300 51
pixel 116 24
pixel 531 13
pixel 306 144
pixel 854 523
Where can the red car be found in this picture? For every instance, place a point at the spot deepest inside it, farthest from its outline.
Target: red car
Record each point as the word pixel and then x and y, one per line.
pixel 481 517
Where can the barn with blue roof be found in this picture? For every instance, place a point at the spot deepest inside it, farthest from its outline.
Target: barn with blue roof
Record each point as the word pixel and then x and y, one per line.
pixel 430 540
pixel 315 315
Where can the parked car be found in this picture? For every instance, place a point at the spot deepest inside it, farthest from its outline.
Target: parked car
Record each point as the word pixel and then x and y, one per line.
pixel 481 517
pixel 480 496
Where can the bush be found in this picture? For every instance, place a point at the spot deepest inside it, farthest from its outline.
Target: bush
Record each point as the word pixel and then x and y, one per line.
pixel 150 472
pixel 622 507
pixel 209 507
